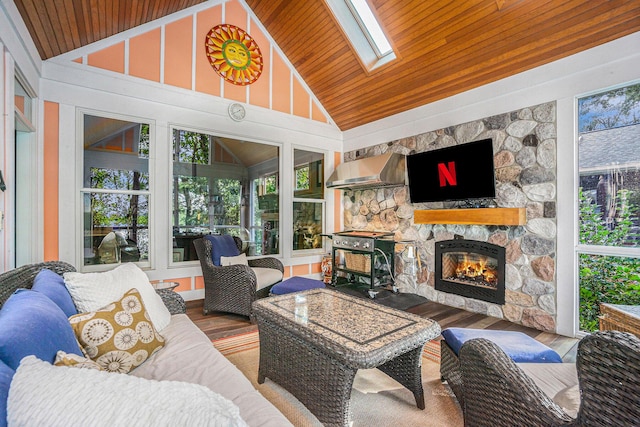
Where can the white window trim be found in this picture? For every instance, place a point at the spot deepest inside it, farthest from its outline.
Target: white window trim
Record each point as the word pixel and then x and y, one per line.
pixel 82 190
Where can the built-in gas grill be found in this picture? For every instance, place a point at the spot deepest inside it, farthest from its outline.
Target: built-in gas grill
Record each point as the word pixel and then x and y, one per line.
pixel 363 258
pixel 364 241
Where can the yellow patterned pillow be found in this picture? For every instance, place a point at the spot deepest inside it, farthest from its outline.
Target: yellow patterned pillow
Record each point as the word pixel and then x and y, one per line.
pixel 120 336
pixel 75 361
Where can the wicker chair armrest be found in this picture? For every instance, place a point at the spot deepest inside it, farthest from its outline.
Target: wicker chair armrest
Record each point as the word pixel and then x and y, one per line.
pixel 267 262
pixel 608 365
pixel 235 276
pixel 498 393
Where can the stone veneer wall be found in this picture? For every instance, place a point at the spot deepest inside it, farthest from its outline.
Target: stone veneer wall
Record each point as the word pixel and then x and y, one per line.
pixel 524 145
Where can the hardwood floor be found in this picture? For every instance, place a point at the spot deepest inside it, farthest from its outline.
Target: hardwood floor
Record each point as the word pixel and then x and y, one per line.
pixel 220 325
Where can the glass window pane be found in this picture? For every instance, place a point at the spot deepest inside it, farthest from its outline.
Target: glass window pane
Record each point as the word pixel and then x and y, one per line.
pixel 609 167
pixel 212 192
pixel 309 174
pixel 116 228
pixel 608 279
pixel 116 218
pixel 308 220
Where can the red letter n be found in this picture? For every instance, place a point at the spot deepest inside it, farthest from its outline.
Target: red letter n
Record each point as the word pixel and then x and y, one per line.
pixel 447 174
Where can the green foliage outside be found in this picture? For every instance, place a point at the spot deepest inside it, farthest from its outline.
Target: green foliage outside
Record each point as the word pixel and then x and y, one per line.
pixel 608 279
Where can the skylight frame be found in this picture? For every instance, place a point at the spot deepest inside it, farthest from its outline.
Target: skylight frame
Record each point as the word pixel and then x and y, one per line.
pixel 370 27
pixel 361 41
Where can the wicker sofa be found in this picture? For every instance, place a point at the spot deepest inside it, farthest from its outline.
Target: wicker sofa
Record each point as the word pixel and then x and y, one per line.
pixel 603 387
pixel 187 357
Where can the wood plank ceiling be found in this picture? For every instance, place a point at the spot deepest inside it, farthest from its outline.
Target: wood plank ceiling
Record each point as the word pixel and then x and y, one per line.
pixel 444 47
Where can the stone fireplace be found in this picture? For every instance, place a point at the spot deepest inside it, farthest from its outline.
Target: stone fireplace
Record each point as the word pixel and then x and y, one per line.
pixel 471 269
pixel 524 146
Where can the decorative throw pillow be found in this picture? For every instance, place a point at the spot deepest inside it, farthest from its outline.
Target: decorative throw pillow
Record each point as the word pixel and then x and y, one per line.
pixel 30 323
pixel 73 360
pixel 52 285
pixel 233 260
pixel 45 395
pixel 92 291
pixel 120 336
pixel 222 245
pixel 6 374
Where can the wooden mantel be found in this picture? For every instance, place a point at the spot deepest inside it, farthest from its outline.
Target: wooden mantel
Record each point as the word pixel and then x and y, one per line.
pixel 474 216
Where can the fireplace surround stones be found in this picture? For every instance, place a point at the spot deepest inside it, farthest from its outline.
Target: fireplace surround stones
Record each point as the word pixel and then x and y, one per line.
pixel 525 164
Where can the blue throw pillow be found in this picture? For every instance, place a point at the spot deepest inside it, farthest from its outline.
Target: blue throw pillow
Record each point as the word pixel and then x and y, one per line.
pixel 52 285
pixel 223 245
pixel 6 374
pixel 30 323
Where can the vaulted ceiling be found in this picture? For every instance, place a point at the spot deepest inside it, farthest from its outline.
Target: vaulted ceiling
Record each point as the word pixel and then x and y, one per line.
pixel 444 47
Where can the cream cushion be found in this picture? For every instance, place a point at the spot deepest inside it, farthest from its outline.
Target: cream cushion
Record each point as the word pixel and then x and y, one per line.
pixel 558 381
pixel 266 276
pixel 233 260
pixel 92 291
pixel 45 395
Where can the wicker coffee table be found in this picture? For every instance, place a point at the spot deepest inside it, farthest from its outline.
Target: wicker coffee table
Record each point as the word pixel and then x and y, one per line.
pixel 312 343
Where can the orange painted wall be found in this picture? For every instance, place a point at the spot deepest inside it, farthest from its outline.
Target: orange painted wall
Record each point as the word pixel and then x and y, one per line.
pixel 187 69
pixel 259 90
pixel 300 270
pixel 317 114
pixel 300 100
pixel 178 39
pixel 110 58
pixel 144 55
pixel 281 84
pixel 50 176
pixel 207 80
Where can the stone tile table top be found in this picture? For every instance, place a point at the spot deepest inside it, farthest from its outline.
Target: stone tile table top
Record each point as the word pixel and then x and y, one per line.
pixel 355 331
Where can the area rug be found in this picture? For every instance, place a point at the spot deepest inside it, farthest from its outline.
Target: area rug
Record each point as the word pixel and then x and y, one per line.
pixel 376 399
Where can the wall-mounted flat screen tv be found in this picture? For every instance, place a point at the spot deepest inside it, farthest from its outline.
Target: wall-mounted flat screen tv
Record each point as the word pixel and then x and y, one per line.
pixel 459 172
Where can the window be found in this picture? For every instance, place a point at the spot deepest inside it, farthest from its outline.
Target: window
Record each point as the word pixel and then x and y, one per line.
pixel 223 186
pixel 370 26
pixel 609 201
pixel 308 200
pixel 116 191
pixel 364 32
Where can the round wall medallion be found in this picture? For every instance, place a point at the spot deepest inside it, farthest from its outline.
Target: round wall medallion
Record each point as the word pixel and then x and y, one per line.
pixel 233 54
pixel 237 112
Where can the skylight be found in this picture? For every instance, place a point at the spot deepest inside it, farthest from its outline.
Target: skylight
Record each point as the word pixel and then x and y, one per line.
pixel 370 25
pixel 363 31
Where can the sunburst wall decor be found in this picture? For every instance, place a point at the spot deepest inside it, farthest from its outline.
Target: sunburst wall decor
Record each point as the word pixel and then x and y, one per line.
pixel 233 54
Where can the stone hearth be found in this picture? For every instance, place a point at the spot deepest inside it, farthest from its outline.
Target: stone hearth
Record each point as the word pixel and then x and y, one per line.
pixel 524 144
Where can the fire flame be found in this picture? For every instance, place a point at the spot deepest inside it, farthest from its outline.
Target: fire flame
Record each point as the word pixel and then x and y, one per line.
pixel 476 270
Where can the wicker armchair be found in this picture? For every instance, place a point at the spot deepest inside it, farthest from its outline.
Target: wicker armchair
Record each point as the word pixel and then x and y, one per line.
pixel 22 277
pixel 232 288
pixel 497 392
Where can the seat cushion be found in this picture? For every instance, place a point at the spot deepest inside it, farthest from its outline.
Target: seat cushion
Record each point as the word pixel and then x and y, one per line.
pixel 32 324
pixel 266 276
pixel 296 284
pixel 52 285
pixel 222 245
pixel 559 381
pixel 520 347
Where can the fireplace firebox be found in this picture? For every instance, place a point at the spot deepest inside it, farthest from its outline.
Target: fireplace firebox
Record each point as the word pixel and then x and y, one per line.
pixel 470 269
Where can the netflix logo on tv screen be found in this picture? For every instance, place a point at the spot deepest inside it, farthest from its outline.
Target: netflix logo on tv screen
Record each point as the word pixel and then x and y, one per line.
pixel 460 172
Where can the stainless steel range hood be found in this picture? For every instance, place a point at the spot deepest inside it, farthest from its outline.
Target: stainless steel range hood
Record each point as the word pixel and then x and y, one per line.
pixel 385 170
